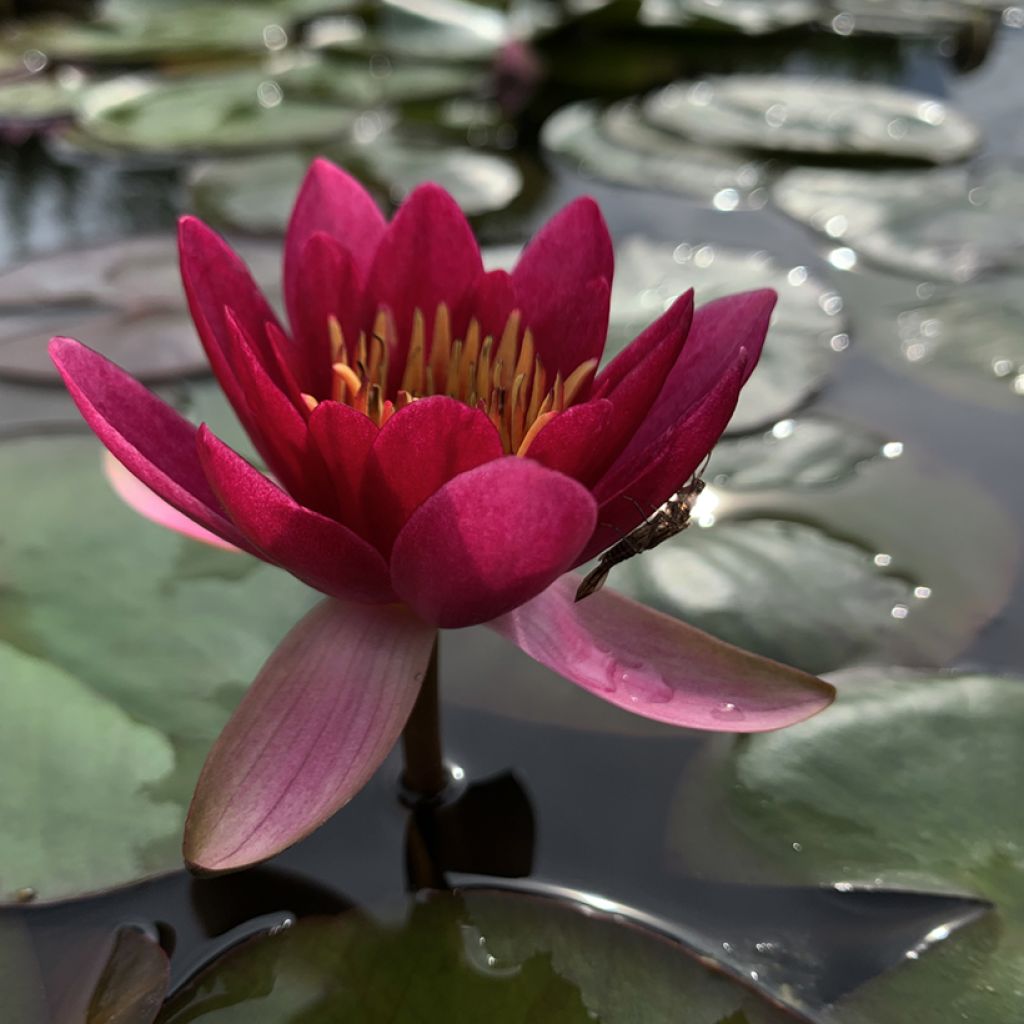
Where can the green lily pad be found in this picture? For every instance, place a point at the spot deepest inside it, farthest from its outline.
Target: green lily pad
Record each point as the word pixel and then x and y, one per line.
pixel 749 17
pixel 124 299
pixel 835 118
pixel 153 636
pixel 475 956
pixel 257 194
pixel 908 780
pixel 617 145
pixel 944 225
pixel 964 340
pixel 38 99
pixel 807 328
pixel 126 31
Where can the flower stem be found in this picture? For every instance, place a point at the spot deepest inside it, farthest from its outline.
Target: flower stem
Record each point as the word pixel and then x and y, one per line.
pixel 425 775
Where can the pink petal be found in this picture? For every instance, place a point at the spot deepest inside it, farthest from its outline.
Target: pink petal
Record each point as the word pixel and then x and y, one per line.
pixel 327 283
pixel 148 437
pixel 658 667
pixel 491 303
pixel 319 551
pixel 419 450
pixel 720 330
pixel 636 485
pixel 635 377
pixel 344 438
pixel 137 496
pixel 575 441
pixel 321 716
pixel 427 256
pixel 556 283
pixel 489 540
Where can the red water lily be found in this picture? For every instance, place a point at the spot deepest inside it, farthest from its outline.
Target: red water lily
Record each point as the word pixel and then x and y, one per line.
pixel 441 451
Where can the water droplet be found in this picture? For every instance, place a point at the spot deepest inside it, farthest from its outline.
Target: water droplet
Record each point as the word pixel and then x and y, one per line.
pixel 899 611
pixel 882 560
pixel 727 712
pixel 642 684
pixel 892 449
pixel 922 593
pixel 474 947
pixel 798 847
pixel 25 895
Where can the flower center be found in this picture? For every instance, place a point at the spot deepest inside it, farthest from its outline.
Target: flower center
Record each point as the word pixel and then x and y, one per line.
pixel 500 376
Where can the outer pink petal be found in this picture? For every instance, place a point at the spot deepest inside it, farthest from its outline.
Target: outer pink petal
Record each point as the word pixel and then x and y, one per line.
pixel 489 540
pixel 137 496
pixel 555 283
pixel 575 441
pixel 636 486
pixel 658 667
pixel 633 380
pixel 319 551
pixel 427 256
pixel 148 437
pixel 321 716
pixel 721 329
pixel 419 450
pixel 344 438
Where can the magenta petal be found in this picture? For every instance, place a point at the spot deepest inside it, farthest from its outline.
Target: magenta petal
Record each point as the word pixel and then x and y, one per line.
pixel 148 437
pixel 319 551
pixel 344 438
pixel 575 441
pixel 720 331
pixel 321 716
pixel 427 256
pixel 556 281
pixel 658 667
pixel 148 504
pixel 419 450
pixel 489 540
pixel 491 303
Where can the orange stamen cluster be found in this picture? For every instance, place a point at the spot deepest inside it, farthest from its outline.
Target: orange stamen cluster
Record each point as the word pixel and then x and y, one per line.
pixel 502 377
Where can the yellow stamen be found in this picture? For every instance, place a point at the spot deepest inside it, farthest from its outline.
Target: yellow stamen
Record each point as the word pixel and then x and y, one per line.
pixel 535 428
pixel 577 378
pixel 412 378
pixel 311 402
pixel 337 340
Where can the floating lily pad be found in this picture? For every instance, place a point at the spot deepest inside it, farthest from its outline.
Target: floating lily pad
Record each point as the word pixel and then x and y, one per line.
pixel 807 329
pixel 617 145
pixel 943 225
pixel 123 299
pixel 814 116
pixel 907 780
pixel 749 17
pixel 257 194
pixel 37 100
pixel 477 956
pixel 152 636
pixel 129 32
pixel 965 340
pixel 897 17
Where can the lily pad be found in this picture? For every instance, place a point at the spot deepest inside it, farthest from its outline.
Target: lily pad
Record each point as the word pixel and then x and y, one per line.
pixel 902 18
pixel 617 145
pixel 964 340
pixel 257 194
pixel 37 100
pixel 944 225
pixel 748 17
pixel 153 636
pixel 777 113
pixel 908 780
pixel 807 328
pixel 480 956
pixel 124 299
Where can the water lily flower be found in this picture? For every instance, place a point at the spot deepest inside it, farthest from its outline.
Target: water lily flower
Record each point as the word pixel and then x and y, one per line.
pixel 441 452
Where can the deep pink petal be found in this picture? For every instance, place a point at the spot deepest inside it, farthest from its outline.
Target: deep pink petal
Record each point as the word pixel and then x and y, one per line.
pixel 575 441
pixel 417 452
pixel 658 667
pixel 319 551
pixel 720 330
pixel 491 303
pixel 489 540
pixel 636 485
pixel 427 256
pixel 148 504
pixel 555 281
pixel 321 716
pixel 636 376
pixel 328 283
pixel 148 437
pixel 344 438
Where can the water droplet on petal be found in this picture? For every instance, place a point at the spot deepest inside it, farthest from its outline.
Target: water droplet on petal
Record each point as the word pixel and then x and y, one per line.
pixel 727 711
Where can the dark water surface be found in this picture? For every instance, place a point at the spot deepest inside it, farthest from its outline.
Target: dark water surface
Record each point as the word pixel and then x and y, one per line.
pixel 570 809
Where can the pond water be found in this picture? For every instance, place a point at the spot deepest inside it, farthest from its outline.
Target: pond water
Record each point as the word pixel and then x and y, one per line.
pixel 863 514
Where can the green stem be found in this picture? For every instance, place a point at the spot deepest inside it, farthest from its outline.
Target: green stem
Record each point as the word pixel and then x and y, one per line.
pixel 425 775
